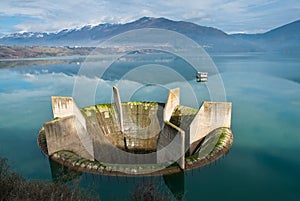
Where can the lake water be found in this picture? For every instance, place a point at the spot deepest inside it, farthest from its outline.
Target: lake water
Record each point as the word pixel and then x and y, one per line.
pixel 263 163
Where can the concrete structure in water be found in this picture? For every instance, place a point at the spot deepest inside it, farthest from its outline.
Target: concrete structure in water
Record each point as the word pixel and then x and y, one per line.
pixel 136 133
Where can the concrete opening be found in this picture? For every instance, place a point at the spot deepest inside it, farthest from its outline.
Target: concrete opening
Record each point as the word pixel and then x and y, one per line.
pixel 137 137
pixel 142 125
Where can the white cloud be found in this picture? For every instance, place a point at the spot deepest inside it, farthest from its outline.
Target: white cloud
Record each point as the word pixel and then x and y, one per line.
pixel 228 15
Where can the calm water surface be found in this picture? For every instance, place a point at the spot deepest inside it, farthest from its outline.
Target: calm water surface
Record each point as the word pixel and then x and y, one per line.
pixel 263 163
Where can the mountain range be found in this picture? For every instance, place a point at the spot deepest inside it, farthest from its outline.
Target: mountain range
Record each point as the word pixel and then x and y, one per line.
pixel 285 38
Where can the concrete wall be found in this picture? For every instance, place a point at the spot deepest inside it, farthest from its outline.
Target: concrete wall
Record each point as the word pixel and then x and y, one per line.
pixel 107 148
pixel 109 142
pixel 66 106
pixel 170 145
pixel 172 102
pixel 210 116
pixel 98 130
pixel 67 134
pixel 67 128
pixel 62 106
pixel 118 106
pixel 142 120
pixel 142 124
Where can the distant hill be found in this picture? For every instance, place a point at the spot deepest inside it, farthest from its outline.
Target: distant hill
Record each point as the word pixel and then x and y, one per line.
pixel 13 52
pixel 284 39
pixel 211 39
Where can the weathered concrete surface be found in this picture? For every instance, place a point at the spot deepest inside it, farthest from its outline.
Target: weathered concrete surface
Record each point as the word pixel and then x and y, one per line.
pixel 172 102
pixel 143 121
pixel 199 159
pixel 142 124
pixel 62 106
pixel 183 117
pixel 118 106
pixel 171 145
pixel 210 116
pixel 64 134
pixel 134 132
pixel 66 106
pixel 210 142
pixel 72 128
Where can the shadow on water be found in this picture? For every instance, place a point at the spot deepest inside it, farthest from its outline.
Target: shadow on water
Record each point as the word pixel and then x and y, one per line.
pixel 168 187
pixel 175 183
pixel 60 173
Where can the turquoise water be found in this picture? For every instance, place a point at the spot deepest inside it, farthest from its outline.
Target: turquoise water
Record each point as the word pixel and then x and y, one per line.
pixel 263 163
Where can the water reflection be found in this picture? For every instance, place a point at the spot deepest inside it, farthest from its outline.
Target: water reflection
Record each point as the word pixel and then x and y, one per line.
pixel 63 174
pixel 262 164
pixel 170 186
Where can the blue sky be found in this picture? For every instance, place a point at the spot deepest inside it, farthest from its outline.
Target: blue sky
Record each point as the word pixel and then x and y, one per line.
pixel 231 16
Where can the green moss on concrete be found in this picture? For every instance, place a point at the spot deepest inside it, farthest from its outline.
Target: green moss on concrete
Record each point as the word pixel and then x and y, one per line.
pixel 42 141
pixel 90 108
pixel 146 104
pixel 176 117
pixel 190 110
pixel 104 106
pixel 223 141
pixel 192 157
pixel 224 136
pixel 179 116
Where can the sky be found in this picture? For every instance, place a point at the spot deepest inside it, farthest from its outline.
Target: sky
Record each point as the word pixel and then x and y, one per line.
pixel 231 16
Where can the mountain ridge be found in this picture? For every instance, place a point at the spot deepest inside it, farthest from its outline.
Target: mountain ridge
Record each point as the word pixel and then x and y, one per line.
pixel 285 38
pixel 212 39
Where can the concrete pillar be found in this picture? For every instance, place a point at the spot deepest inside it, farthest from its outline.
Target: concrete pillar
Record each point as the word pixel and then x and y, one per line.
pixel 69 132
pixel 66 106
pixel 181 160
pixel 62 106
pixel 210 116
pixel 172 102
pixel 118 104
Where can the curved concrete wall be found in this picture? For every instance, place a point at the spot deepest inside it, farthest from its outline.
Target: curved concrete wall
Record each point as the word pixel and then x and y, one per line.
pixel 142 124
pixel 111 133
pixel 67 134
pixel 70 130
pixel 210 116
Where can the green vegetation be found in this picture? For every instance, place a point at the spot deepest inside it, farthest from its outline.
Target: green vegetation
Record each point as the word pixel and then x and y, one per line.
pixel 219 143
pixel 42 141
pixel 78 161
pixel 222 140
pixel 150 191
pixel 15 187
pixel 106 105
pixel 176 117
pixel 193 157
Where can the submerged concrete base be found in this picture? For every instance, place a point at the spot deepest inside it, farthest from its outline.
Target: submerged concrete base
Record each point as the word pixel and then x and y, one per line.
pixel 216 145
pixel 135 134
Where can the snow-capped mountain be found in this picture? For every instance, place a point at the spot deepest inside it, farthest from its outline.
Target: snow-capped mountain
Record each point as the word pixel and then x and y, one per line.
pixel 211 39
